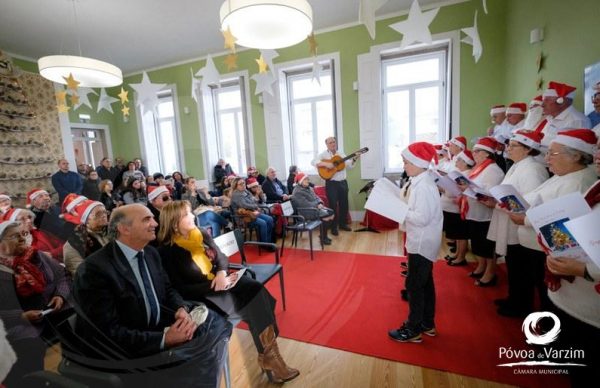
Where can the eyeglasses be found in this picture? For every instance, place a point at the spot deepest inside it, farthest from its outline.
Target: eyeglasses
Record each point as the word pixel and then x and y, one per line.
pixel 17 236
pixel 166 198
pixel 551 154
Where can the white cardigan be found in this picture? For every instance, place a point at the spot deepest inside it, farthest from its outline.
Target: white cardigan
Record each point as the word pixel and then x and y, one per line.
pixel 525 176
pixel 488 178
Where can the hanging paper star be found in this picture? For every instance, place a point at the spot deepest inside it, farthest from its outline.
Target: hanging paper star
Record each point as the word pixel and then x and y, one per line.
pixel 229 39
pixel 82 97
pixel 316 71
pixel 71 82
pixel 231 62
pixel 62 108
pixel 472 38
pixel 209 73
pixel 366 14
pixel 61 97
pixel 312 43
pixel 146 93
pixel 196 85
pixel 262 65
pixel 416 27
pixel 263 82
pixel 105 101
pixel 268 55
pixel 125 110
pixel 74 99
pixel 124 95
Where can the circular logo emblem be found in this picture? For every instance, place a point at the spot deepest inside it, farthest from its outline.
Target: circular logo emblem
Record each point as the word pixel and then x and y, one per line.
pixel 531 329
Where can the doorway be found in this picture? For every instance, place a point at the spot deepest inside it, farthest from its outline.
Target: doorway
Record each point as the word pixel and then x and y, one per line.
pixel 91 143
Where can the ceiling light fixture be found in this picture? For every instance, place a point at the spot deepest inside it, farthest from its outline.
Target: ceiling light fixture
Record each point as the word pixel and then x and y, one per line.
pixel 269 24
pixel 91 73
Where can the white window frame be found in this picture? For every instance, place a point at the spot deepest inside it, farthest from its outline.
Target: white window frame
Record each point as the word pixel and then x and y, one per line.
pixel 370 97
pixel 208 124
pixel 440 53
pixel 276 111
pixel 177 120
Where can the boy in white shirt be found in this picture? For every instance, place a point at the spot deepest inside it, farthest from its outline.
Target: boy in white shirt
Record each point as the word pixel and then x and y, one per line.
pixel 423 225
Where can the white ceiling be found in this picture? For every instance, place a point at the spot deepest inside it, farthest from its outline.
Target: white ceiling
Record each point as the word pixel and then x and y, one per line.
pixel 141 34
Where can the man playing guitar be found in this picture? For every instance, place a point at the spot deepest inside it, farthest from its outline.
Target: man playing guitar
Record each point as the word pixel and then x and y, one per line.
pixel 336 187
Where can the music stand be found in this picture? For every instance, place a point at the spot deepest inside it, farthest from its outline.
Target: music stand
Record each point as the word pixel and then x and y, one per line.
pixel 367 189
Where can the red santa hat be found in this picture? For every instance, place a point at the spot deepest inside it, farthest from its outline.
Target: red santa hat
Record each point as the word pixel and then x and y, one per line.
pixel 33 194
pixel 300 177
pixel 583 140
pixel 562 91
pixel 70 201
pixel 81 212
pixel 486 143
pixel 12 214
pixel 439 148
pixel 497 109
pixel 4 196
pixel 466 157
pixel 155 191
pixel 251 182
pixel 420 154
pixel 251 168
pixel 516 108
pixel 459 141
pixel 537 101
pixel 531 139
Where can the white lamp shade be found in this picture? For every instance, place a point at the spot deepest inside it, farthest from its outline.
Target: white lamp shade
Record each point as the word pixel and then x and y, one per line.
pixel 91 73
pixel 269 24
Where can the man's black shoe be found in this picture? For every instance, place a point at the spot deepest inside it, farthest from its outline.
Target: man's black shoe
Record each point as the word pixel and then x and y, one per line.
pixel 335 232
pixel 405 334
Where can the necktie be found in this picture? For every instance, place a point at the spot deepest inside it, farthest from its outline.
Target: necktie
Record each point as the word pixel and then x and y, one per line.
pixel 147 287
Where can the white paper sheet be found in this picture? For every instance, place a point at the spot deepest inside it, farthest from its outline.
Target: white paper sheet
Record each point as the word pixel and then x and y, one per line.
pixel 447 184
pixel 510 197
pixel 385 200
pixel 585 230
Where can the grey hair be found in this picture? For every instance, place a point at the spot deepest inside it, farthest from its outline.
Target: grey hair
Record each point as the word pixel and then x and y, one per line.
pixel 118 217
pixel 584 159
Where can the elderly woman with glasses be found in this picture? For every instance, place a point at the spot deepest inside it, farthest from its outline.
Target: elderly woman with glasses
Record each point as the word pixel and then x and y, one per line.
pixel 90 234
pixel 30 282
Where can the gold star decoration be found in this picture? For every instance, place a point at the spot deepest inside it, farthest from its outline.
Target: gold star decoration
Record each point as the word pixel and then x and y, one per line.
pixel 74 99
pixel 312 42
pixel 71 82
pixel 62 108
pixel 123 95
pixel 125 110
pixel 262 65
pixel 231 62
pixel 229 39
pixel 61 97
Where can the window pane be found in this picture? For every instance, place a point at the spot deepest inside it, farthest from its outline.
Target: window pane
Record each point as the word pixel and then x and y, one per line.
pixel 427 110
pixel 168 147
pixel 150 142
pixel 228 136
pixel 397 125
pixel 305 87
pixel 230 99
pixel 412 72
pixel 241 135
pixel 165 108
pixel 325 121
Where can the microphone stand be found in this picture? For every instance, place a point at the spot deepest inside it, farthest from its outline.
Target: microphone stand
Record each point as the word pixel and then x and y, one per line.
pixel 367 189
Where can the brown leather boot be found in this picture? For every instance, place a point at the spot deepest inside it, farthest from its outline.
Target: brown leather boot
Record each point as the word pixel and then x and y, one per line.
pixel 271 361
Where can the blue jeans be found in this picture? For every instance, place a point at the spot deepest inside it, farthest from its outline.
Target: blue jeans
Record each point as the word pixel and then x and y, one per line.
pixel 265 227
pixel 212 219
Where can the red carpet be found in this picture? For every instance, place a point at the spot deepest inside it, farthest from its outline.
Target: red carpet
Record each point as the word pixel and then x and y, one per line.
pixel 350 301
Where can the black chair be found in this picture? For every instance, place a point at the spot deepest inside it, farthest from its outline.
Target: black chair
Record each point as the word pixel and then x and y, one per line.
pixel 233 242
pixel 298 225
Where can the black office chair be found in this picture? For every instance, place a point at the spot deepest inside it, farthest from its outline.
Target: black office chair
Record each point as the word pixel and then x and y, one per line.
pixel 233 242
pixel 298 225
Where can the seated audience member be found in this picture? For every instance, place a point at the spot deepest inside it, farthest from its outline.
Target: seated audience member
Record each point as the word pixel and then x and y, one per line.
pixel 140 166
pixel 273 188
pixel 200 273
pixel 486 174
pixel 91 188
pixel 65 181
pixel 40 240
pixel 90 234
pixel 158 196
pixel 222 169
pixel 594 115
pixel 108 197
pixel 178 185
pixel 206 212
pixel 106 171
pixel 304 198
pixel 525 175
pixel 132 173
pixel 8 354
pixel 126 303
pixel 30 281
pixel 243 204
pixel 47 216
pixel 5 204
pixel 291 180
pixel 254 173
pixel 135 192
pixel 254 188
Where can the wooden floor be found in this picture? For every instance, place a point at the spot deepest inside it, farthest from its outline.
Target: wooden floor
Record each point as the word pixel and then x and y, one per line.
pixel 325 367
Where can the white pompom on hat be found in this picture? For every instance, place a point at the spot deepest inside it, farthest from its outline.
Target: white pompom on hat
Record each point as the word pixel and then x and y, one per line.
pixel 421 154
pixel 583 140
pixel 562 91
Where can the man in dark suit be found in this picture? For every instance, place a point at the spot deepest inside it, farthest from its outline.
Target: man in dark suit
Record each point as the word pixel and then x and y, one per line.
pixel 125 302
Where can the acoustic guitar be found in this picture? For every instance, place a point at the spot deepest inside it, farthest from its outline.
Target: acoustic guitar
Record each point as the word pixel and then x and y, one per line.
pixel 338 163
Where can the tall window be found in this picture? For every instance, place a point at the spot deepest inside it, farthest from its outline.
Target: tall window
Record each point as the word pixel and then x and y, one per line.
pixel 312 115
pixel 230 122
pixel 414 102
pixel 160 136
